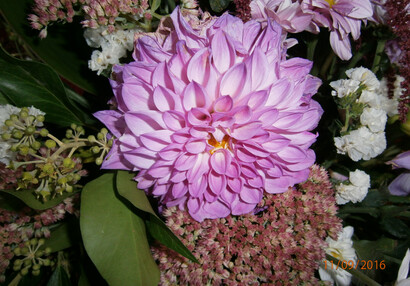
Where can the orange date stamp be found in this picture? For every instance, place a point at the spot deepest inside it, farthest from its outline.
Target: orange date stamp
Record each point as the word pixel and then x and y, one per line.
pixel 350 264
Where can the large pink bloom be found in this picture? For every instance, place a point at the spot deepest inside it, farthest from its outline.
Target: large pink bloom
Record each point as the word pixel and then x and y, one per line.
pixel 211 120
pixel 342 18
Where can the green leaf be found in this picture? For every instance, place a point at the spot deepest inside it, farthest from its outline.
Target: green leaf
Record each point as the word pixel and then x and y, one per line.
pixel 59 278
pixel 10 203
pixel 114 236
pixel 64 49
pixel 128 189
pixel 3 99
pixel 63 236
pixel 30 199
pixel 219 5
pixel 155 5
pixel 28 83
pixel 395 227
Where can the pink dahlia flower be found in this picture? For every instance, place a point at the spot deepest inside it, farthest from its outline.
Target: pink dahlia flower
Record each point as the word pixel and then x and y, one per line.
pixel 211 120
pixel 342 18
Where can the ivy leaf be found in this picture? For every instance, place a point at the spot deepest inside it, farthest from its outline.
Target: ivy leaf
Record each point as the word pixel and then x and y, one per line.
pixel 114 236
pixel 128 189
pixel 27 83
pixel 59 278
pixel 30 199
pixel 63 236
pixel 219 5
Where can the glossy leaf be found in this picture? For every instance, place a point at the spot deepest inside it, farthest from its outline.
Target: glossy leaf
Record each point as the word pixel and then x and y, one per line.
pixel 114 236
pixel 127 188
pixel 64 49
pixel 63 236
pixel 30 199
pixel 27 83
pixel 59 278
pixel 219 5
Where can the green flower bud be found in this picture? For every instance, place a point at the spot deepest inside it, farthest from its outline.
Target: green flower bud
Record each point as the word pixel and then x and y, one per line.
pixel 25 109
pixel 73 126
pixel 104 131
pixel 40 118
pixel 36 267
pixel 47 251
pixel 48 168
pixel 14 117
pixel 18 262
pixel 79 129
pixel 69 188
pixel 95 149
pixel 27 262
pixel 46 262
pixel 39 253
pixel 91 138
pixel 35 272
pixel 17 251
pixel 17 134
pixel 69 133
pixel 27 243
pixel 24 271
pixel 36 145
pixel 41 241
pixel 27 176
pixel 16 267
pixel 100 136
pixel 43 132
pixel 110 142
pixel 14 148
pixel 98 161
pixel 9 123
pixel 33 241
pixel 31 118
pixel 67 162
pixel 30 130
pixel 50 144
pixel 23 114
pixel 6 136
pixel 62 180
pixel 24 150
pixel 76 177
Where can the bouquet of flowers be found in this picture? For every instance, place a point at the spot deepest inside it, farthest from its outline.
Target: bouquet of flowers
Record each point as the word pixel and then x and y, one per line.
pixel 243 142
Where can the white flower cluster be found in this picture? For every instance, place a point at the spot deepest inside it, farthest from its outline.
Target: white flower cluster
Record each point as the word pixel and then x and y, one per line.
pixel 113 46
pixel 368 141
pixel 343 250
pixel 5 111
pixel 354 192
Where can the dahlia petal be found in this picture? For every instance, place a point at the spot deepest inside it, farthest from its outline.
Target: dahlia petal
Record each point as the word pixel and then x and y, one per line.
pixel 295 68
pixel 179 189
pixel 306 163
pixel 115 159
pixel 242 114
pixel 134 97
pixel 257 99
pixel 148 50
pixel 141 158
pixel 216 209
pixel 138 71
pixel 144 182
pixel 198 187
pixel 244 155
pixel 184 30
pixel 156 140
pixel 340 45
pixel 193 206
pixel 217 182
pixel 255 149
pixel 275 171
pixel 223 52
pixel 201 132
pixel 185 162
pixel 276 143
pixel 178 176
pixel 233 170
pixel 228 197
pixel 181 136
pixel 259 70
pixel 113 120
pixel 163 77
pixel 144 121
pixel 178 63
pixel 194 96
pixel 199 169
pixel 160 190
pixel 292 154
pixel 256 182
pixel 287 120
pixel 170 152
pixel 268 116
pixel 246 131
pixel 198 67
pixel 220 161
pixel 195 146
pixel 277 185
pixel 173 120
pixel 278 92
pixel 251 30
pixel 223 104
pixel 209 196
pixel 233 80
pixel 239 207
pixel 198 116
pixel 251 195
pixel 235 184
pixel 362 9
pixel 165 100
pixel 159 171
pixel 265 163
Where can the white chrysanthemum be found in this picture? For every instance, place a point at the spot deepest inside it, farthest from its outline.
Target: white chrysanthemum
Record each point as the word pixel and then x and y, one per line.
pixel 113 46
pixel 361 144
pixel 354 192
pixel 343 250
pixel 374 118
pixel 398 90
pixel 5 111
pixel 343 87
pixel 365 76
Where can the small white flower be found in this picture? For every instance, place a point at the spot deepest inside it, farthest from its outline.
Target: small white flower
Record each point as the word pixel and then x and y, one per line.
pixel 374 118
pixel 343 250
pixel 365 76
pixel 402 279
pixel 344 87
pixel 354 192
pixel 361 144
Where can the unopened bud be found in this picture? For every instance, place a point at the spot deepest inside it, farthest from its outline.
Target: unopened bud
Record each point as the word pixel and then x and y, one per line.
pixel 40 118
pixel 23 114
pixel 43 132
pixel 24 271
pixel 91 138
pixel 67 162
pixel 73 126
pixel 6 136
pixel 36 145
pixel 95 149
pixel 35 272
pixel 98 161
pixel 104 131
pixel 50 144
pixel 17 134
pixel 69 188
pixel 100 136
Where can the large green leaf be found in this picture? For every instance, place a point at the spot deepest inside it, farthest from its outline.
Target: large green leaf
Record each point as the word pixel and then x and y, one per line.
pixel 59 278
pixel 128 189
pixel 63 236
pixel 27 83
pixel 64 49
pixel 114 236
pixel 30 199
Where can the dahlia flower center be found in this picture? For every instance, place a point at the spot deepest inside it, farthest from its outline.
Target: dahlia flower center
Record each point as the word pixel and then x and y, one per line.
pixel 218 145
pixel 331 2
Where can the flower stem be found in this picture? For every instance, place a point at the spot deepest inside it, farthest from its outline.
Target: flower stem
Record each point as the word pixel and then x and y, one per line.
pixel 55 139
pixel 326 64
pixel 377 56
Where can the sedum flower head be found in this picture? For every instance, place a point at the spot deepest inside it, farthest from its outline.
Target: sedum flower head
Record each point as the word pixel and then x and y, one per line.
pixel 213 117
pixel 282 243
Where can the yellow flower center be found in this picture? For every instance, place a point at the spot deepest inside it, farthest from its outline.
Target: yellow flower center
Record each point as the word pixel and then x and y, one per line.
pixel 218 145
pixel 336 254
pixel 331 2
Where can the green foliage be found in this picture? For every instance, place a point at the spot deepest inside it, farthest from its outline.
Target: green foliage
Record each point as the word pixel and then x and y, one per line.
pixel 157 228
pixel 59 278
pixel 64 49
pixel 27 83
pixel 219 5
pixel 63 236
pixel 115 237
pixel 30 199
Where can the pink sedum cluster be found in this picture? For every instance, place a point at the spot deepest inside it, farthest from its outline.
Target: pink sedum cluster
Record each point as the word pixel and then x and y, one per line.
pixel 213 119
pixel 342 17
pixel 282 244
